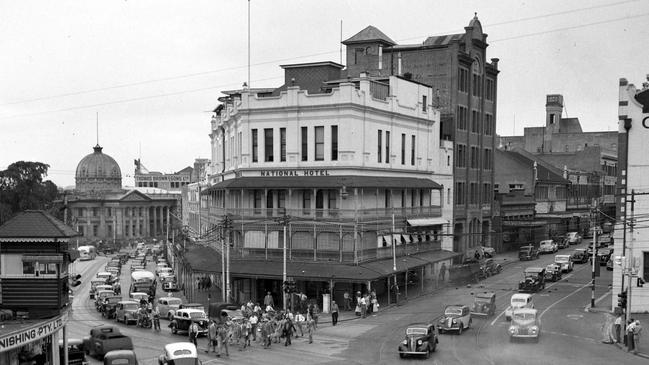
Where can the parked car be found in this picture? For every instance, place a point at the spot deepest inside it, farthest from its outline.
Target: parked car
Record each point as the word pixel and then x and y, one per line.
pixel 76 353
pixel 488 252
pixel 104 339
pixel 185 317
pixel 94 283
pixel 565 262
pixel 120 357
pixel 517 301
pixel 574 238
pixel 562 242
pixel 108 277
pixel 179 353
pixel 109 306
pixel 138 296
pixel 100 296
pixel 604 240
pixel 99 287
pixel 609 264
pixel 456 317
pixel 553 272
pixel 525 324
pixel 528 253
pixel 548 246
pixel 127 311
pixel 533 280
pixel 484 304
pixel 223 312
pixel 579 256
pixel 168 306
pixel 490 267
pixel 603 255
pixel 421 339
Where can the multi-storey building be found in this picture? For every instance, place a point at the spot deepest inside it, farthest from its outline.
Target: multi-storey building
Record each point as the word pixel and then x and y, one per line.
pixel 351 181
pixel 34 284
pixel 145 178
pixel 633 197
pixel 464 88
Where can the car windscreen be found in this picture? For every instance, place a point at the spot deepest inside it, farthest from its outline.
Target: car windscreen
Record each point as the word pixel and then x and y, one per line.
pixel 183 361
pixel 523 316
pixel 416 331
pixel 561 258
pixel 518 301
pixel 131 306
pixel 176 301
pixel 453 311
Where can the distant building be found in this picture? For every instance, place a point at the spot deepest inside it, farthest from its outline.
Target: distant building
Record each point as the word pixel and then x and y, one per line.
pixel 464 88
pixel 34 284
pixel 152 179
pixel 633 112
pixel 101 210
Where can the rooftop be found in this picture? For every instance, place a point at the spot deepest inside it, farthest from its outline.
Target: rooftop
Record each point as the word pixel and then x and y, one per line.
pixel 36 224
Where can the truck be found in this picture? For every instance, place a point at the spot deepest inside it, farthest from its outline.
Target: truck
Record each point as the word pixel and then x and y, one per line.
pixel 143 281
pixel 105 338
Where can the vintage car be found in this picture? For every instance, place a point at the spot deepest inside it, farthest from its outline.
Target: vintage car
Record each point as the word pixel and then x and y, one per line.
pixel 108 277
pixel 103 339
pixel 525 324
pixel 223 312
pixel 169 282
pixel 164 270
pixel 609 264
pixel 548 246
pixel 517 301
pixel 456 317
pixel 574 238
pixel 603 255
pixel 101 295
pixel 127 311
pixel 120 357
pixel 109 306
pixel 484 304
pixel 138 296
pixel 490 267
pixel 604 239
pixel 528 253
pixel 553 272
pixel 167 306
pixel 421 339
pixel 562 242
pixel 76 353
pixel 580 256
pixel 533 280
pixel 179 353
pixel 185 317
pixel 94 283
pixel 137 267
pixel 565 262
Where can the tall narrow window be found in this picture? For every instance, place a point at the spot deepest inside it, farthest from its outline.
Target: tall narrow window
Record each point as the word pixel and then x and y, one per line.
pixel 319 143
pixel 240 144
pixel 257 201
pixel 387 147
pixel 305 144
pixel 334 143
pixel 268 145
pixel 333 198
pixel 412 151
pixel 281 199
pixel 380 148
pixel 282 144
pixel 403 148
pixel 306 201
pixel 269 199
pixel 424 102
pixel 388 198
pixel 255 146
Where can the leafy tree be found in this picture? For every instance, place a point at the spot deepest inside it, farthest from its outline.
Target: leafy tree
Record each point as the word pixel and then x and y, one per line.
pixel 22 187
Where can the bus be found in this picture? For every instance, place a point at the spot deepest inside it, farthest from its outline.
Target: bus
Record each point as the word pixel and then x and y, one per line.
pixel 87 252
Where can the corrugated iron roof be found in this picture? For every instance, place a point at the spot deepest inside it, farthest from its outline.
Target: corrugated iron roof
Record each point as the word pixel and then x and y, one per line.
pixel 443 40
pixel 35 224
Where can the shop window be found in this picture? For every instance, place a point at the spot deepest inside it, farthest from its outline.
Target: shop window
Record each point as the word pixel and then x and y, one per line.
pixel 29 268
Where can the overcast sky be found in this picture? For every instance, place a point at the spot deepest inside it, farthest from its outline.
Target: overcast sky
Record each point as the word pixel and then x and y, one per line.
pixel 153 70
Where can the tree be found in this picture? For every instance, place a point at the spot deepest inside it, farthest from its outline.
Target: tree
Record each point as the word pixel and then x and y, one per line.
pixel 22 187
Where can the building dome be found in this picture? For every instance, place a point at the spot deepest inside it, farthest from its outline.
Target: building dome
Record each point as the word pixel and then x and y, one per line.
pixel 99 172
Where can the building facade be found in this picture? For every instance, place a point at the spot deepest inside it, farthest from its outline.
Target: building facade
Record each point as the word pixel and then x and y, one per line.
pixel 353 174
pixel 464 85
pixel 34 284
pixel 152 179
pixel 101 210
pixel 632 200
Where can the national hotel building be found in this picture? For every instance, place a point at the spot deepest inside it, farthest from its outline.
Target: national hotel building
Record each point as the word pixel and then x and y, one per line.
pixel 464 88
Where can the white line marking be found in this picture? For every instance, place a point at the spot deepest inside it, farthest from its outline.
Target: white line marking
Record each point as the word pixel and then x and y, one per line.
pixel 562 299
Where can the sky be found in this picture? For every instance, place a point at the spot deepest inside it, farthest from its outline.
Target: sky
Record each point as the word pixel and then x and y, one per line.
pixel 151 71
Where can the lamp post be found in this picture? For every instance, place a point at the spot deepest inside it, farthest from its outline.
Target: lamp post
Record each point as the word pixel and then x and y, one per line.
pixel 284 219
pixel 226 224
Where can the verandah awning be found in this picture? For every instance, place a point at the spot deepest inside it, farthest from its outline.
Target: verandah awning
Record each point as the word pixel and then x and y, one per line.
pixel 421 222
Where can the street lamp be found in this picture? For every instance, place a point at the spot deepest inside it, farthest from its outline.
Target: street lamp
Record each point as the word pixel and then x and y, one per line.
pixel 284 219
pixel 226 224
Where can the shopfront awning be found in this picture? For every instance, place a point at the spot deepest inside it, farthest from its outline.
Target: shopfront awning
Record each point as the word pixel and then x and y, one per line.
pixel 328 182
pixel 421 222
pixel 42 258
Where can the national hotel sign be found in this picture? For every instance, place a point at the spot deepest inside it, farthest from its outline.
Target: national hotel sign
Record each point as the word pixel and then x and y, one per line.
pixel 294 173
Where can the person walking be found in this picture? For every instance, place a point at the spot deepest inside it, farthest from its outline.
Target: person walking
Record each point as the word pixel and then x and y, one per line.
pixel 222 338
pixel 268 300
pixel 211 337
pixel 629 335
pixel 348 301
pixel 310 328
pixel 300 321
pixel 617 327
pixel 363 307
pixel 254 321
pixel 334 313
pixel 289 328
pixel 156 318
pixel 637 329
pixel 193 333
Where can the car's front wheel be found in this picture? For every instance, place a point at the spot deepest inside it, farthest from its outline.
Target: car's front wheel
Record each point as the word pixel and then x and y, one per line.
pixel 459 331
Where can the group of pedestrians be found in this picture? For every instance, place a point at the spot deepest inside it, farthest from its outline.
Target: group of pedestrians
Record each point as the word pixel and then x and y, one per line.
pixel 628 334
pixel 364 305
pixel 203 283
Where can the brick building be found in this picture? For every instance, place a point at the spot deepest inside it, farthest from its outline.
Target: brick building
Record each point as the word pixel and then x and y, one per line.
pixel 464 88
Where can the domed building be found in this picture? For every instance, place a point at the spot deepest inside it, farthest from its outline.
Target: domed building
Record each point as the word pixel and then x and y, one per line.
pixel 100 209
pixel 98 172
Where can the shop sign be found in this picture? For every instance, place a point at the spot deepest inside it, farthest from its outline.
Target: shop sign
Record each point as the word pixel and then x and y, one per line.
pixel 27 335
pixel 294 173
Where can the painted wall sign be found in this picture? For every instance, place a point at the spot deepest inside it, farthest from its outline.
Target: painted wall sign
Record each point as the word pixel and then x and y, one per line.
pixel 37 331
pixel 295 173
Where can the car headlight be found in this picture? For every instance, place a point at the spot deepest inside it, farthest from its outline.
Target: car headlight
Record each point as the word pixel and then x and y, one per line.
pixel 419 342
pixel 534 329
pixel 441 320
pixel 405 342
pixel 513 330
pixel 454 321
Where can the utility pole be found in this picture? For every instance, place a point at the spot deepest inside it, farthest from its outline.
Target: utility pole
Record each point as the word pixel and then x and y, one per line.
pixel 629 260
pixel 227 225
pixel 594 221
pixel 284 220
pixel 223 293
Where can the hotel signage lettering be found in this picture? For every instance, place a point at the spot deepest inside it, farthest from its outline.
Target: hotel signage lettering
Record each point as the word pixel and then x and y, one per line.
pixel 24 336
pixel 294 173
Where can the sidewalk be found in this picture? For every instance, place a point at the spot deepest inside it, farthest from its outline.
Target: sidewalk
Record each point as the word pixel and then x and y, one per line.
pixel 644 321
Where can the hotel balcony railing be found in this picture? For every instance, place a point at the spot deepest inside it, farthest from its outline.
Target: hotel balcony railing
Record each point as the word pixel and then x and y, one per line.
pixel 214 215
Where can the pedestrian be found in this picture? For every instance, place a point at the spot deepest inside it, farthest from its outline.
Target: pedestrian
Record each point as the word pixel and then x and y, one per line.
pixel 198 283
pixel 222 338
pixel 253 320
pixel 211 337
pixel 268 300
pixel 300 321
pixel 363 307
pixel 289 328
pixel 193 333
pixel 629 335
pixel 357 310
pixel 310 327
pixel 156 318
pixel 348 301
pixel 334 313
pixel 637 329
pixel 618 327
pixel 245 333
pixel 316 314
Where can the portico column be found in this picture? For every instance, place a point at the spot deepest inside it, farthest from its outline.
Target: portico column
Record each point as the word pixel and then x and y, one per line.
pixel 155 220
pixel 147 228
